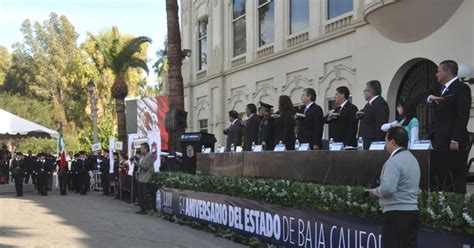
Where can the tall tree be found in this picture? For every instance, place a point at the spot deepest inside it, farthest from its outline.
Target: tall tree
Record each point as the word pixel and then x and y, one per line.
pixel 120 58
pixel 48 65
pixel 161 68
pixel 175 78
pixel 5 63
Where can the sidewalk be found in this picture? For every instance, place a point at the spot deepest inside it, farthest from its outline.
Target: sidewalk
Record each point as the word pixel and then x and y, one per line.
pixel 90 221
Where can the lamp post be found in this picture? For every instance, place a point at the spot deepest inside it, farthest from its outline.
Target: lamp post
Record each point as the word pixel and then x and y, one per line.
pixel 466 74
pixel 90 88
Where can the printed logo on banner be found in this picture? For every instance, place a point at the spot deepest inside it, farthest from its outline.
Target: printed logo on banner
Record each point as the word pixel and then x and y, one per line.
pixel 166 203
pixel 292 227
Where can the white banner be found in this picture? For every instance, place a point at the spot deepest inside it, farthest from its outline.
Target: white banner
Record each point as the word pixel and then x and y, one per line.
pixel 154 140
pixel 111 153
pixel 131 138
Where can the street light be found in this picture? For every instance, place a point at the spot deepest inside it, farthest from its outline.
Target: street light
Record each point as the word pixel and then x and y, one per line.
pixel 466 74
pixel 90 87
pixel 185 53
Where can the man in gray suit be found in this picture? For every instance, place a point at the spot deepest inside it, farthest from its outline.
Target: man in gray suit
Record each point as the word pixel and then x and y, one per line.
pixel 398 192
pixel 234 131
pixel 145 171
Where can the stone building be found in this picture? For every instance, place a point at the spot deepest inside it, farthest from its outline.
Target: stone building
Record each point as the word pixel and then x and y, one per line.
pixel 255 50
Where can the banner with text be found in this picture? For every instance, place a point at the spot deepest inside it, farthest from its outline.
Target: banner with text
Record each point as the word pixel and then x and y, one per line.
pixel 291 227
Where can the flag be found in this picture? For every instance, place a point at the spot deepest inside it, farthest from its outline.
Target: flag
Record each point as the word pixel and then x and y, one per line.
pixel 61 150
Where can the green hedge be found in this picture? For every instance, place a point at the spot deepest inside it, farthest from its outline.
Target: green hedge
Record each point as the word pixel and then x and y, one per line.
pixel 438 210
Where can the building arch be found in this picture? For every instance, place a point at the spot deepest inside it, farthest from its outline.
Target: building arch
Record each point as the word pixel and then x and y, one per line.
pixel 415 77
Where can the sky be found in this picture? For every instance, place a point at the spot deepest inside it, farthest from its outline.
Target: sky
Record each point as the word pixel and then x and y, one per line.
pixel 135 17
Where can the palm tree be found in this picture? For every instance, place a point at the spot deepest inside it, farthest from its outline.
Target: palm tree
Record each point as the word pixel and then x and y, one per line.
pixel 119 58
pixel 175 78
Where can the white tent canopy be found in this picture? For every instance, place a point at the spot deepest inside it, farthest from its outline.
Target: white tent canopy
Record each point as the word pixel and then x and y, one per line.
pixel 12 126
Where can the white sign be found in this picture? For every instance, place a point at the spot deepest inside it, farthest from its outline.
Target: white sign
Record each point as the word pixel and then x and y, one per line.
pixel 239 149
pixel 207 150
pixel 131 138
pixel 377 146
pixel 119 146
pixel 337 146
pixel 422 145
pixel 96 147
pixel 258 148
pixel 304 147
pixel 154 141
pixel 279 148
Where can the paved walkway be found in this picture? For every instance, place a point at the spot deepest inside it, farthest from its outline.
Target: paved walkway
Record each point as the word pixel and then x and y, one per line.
pixel 90 221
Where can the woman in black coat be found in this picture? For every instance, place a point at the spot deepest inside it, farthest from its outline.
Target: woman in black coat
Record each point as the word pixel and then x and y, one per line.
pixel 284 123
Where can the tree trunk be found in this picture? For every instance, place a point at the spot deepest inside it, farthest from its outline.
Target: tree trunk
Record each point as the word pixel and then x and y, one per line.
pixel 121 123
pixel 175 78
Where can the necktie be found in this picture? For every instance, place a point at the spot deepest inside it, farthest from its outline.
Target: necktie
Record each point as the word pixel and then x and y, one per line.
pixel 338 109
pixel 442 89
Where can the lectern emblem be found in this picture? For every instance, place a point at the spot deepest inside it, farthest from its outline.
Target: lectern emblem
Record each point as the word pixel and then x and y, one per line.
pixel 190 151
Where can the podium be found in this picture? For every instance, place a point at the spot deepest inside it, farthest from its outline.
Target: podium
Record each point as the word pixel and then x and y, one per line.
pixel 191 145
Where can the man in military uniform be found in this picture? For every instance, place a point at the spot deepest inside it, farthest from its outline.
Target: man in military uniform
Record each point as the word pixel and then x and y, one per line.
pixel 75 174
pixel 62 176
pixel 83 168
pixel 70 159
pixel 18 172
pixel 29 163
pixel 265 131
pixel 44 172
pixel 104 170
pixel 51 160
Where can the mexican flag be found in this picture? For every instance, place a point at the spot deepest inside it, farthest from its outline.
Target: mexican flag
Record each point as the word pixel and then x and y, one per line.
pixel 61 150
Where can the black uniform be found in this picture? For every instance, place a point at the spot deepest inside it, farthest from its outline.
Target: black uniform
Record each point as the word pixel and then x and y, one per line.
pixel 83 167
pixel 62 178
pixel 76 186
pixel 29 163
pixel 265 133
pixel 18 172
pixel 70 176
pixel 104 176
pixel 44 172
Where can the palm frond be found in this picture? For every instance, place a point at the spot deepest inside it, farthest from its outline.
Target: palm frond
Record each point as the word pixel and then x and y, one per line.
pixel 128 54
pixel 136 63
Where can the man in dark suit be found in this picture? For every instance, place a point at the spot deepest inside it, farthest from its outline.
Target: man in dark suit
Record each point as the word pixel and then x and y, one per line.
pixel 234 131
pixel 265 130
pixel 452 105
pixel 374 114
pixel 342 121
pixel 18 172
pixel 44 172
pixel 311 120
pixel 29 162
pixel 104 170
pixel 83 168
pixel 251 126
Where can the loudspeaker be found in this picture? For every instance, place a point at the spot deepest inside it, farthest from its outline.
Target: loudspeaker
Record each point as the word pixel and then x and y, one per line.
pixel 176 120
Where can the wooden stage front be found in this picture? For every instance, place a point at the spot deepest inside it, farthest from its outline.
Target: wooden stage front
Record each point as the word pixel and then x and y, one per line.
pixel 440 170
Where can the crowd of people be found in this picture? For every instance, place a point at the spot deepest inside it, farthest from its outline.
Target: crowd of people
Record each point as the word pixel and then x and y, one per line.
pixel 349 125
pixel 81 173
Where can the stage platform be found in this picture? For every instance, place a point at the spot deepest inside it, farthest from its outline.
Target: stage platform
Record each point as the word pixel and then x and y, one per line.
pixel 440 170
